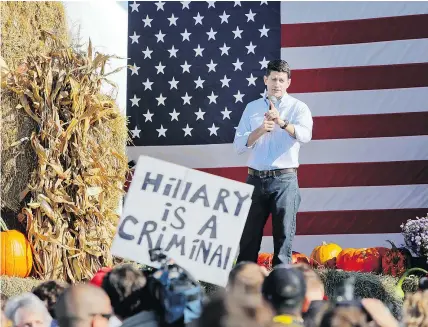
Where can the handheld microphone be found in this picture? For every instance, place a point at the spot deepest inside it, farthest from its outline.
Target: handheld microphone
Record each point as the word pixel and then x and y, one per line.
pixel 271 98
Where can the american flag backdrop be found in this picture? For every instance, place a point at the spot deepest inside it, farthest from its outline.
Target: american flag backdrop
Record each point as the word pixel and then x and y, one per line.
pixel 361 67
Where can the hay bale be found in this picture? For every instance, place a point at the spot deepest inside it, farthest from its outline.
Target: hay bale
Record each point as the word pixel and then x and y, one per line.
pixel 22 24
pixel 11 286
pixel 369 285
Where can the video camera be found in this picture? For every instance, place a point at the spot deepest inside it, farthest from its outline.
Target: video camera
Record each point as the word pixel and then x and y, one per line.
pixel 178 293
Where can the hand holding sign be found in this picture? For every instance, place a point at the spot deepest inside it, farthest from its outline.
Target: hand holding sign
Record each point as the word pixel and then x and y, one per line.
pixel 197 218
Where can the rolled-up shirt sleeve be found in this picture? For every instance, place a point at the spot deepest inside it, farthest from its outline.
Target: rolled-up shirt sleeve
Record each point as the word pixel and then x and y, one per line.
pixel 303 125
pixel 242 133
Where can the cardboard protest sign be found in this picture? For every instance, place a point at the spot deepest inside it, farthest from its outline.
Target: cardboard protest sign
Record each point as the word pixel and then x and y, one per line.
pixel 196 217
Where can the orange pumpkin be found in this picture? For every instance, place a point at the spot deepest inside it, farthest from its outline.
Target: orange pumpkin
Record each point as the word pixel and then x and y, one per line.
pixel 298 257
pixel 362 260
pixel 326 254
pixel 16 255
pixel 265 260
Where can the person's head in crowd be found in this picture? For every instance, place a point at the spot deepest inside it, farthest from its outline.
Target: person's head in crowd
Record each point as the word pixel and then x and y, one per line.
pixel 27 310
pixel 4 321
pixel 314 305
pixel 315 290
pixel 350 316
pixel 236 309
pixel 83 305
pixel 126 287
pixel 247 277
pixel 415 309
pixel 285 288
pixel 49 292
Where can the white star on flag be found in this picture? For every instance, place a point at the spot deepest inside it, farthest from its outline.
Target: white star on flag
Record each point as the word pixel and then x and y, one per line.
pixel 134 38
pixel 224 18
pixel 134 6
pixel 213 129
pixel 211 66
pixel 250 16
pixel 237 3
pixel 186 67
pixel 147 53
pixel 173 52
pixel 238 96
pixel 211 4
pixel 161 100
pixel 200 114
pixel 173 83
pixel 160 36
pixel 187 130
pixel 198 19
pixel 135 101
pixel 172 20
pixel 225 81
pixel 186 35
pixel 161 131
pixel 160 68
pixel 264 63
pixel 237 33
pixel 199 82
pixel 134 69
pixel 251 80
pixel 224 49
pixel 264 31
pixel 185 4
pixel 147 85
pixel 159 5
pixel 226 113
pixel 198 51
pixel 186 99
pixel 212 97
pixel 238 64
pixel 147 21
pixel 211 34
pixel 136 132
pixel 148 116
pixel 174 115
pixel 251 48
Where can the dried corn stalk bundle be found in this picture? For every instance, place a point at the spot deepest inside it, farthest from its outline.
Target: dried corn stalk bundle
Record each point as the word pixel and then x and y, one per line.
pixel 80 147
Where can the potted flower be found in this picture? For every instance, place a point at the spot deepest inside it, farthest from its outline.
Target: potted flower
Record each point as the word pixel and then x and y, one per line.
pixel 415 232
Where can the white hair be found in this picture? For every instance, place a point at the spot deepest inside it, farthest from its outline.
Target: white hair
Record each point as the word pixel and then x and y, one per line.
pixel 26 301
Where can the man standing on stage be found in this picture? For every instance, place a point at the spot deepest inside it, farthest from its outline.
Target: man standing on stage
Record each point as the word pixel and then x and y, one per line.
pixel 272 128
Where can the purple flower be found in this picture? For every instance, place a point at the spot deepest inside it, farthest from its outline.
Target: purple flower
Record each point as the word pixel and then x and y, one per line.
pixel 415 232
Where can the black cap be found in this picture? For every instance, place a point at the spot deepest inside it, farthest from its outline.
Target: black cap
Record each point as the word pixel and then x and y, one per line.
pixel 285 286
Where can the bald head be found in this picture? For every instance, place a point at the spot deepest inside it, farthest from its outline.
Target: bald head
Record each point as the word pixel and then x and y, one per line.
pixel 83 305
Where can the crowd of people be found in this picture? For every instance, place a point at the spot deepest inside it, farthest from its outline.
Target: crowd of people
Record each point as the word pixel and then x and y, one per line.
pixel 124 296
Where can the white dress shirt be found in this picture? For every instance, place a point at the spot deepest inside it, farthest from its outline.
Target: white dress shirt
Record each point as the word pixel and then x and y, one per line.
pixel 275 149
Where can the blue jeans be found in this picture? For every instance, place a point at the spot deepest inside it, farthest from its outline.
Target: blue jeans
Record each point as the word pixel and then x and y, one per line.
pixel 279 196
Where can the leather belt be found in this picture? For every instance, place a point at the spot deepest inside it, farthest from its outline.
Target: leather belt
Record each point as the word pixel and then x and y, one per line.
pixel 271 173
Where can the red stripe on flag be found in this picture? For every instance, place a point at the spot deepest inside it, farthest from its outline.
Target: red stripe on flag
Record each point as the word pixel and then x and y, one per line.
pixel 347 174
pixel 355 31
pixel 359 78
pixel 363 126
pixel 351 222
